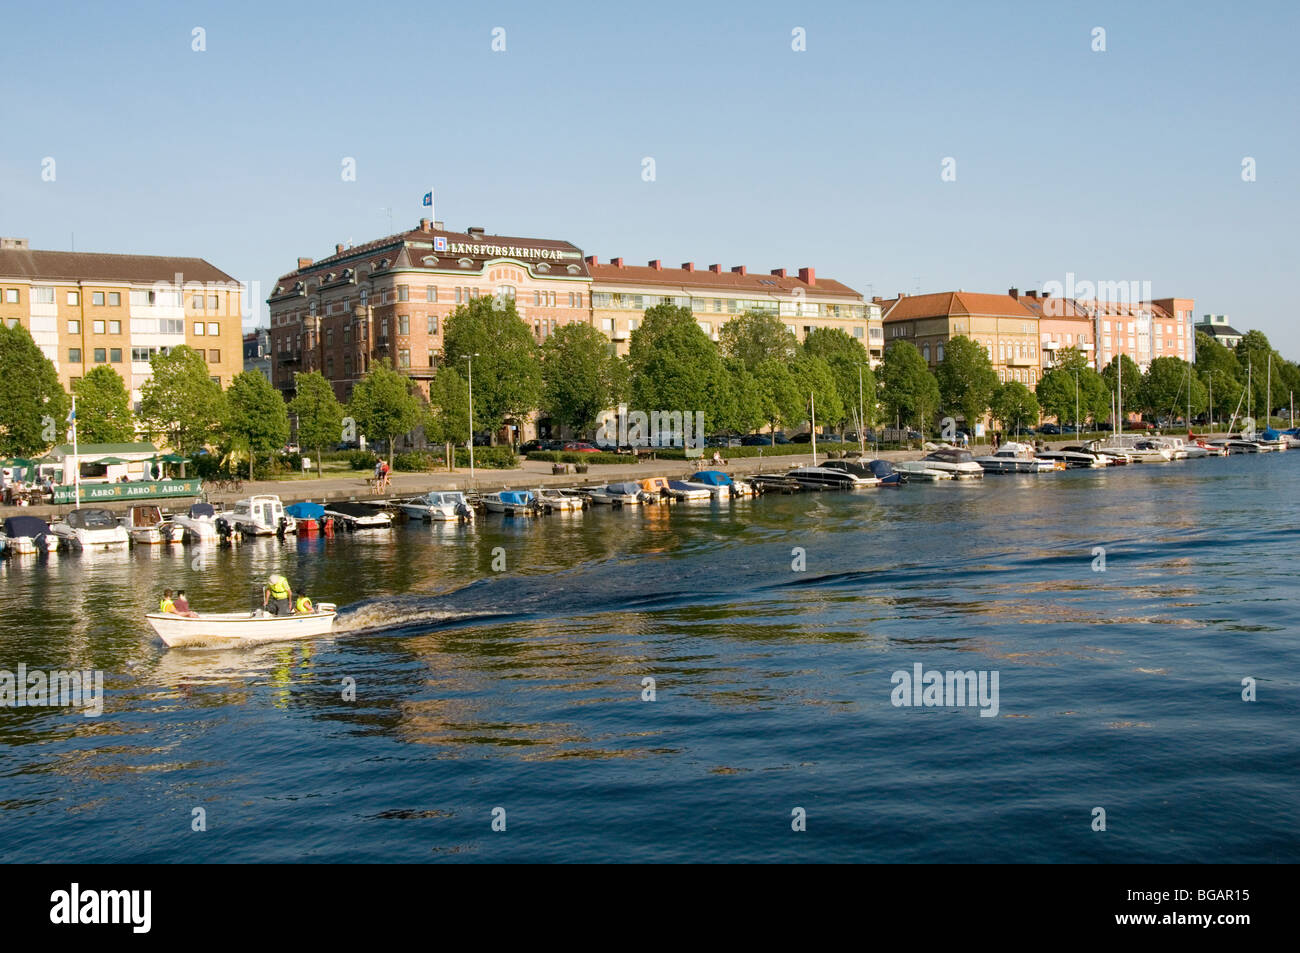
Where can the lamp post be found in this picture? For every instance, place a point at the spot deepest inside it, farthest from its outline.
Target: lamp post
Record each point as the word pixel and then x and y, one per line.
pixel 470 359
pixel 1076 402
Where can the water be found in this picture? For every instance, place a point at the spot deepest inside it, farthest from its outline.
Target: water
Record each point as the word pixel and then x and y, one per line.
pixel 522 689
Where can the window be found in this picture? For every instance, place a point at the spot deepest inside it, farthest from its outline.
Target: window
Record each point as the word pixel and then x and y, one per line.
pixel 432 357
pixel 329 337
pixel 74 327
pixel 433 324
pixel 100 355
pixel 214 328
pixel 939 352
pixel 74 298
pixel 141 299
pixel 74 355
pixel 857 332
pixel 196 303
pixel 11 296
pixel 97 298
pixel 537 299
pixel 214 357
pixel 171 326
pixel 98 326
pixel 403 358
pixel 404 325
pixel 42 296
pixel 214 302
pixel 431 294
pixel 216 379
pixel 115 299
pixel 198 329
pixel 458 295
pixel 403 293
pixel 474 293
pixel 362 295
pixel 115 327
pixel 141 355
pixel 925 352
pixel 115 355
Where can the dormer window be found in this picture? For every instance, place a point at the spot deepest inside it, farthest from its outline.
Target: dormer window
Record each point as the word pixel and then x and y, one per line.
pixel 429 261
pixel 542 267
pixel 574 269
pixel 466 262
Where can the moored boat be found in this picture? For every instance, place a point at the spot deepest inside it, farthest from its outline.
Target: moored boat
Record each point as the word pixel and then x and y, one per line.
pixel 226 628
pixel 1075 457
pixel 959 463
pixel 147 526
pixel 511 502
pixel 616 494
pixel 832 478
pixel 198 524
pixel 1012 457
pixel 91 528
pixel 260 516
pixel 358 516
pixel 559 501
pixel 310 519
pixel 682 491
pixel 27 535
pixel 438 506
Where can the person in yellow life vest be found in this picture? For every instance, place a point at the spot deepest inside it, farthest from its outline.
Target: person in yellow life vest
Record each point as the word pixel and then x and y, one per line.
pixel 277 597
pixel 303 606
pixel 165 604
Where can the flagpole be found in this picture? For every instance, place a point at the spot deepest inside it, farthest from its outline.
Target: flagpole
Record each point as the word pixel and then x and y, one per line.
pixel 76 455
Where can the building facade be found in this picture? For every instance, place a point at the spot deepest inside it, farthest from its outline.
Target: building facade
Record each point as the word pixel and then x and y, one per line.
pixel 621 293
pixel 1062 324
pixel 390 298
pixel 1007 329
pixel 1220 328
pixel 86 309
pixel 257 352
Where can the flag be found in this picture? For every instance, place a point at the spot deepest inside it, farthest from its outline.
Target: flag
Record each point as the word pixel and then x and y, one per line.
pixel 72 414
pixel 428 199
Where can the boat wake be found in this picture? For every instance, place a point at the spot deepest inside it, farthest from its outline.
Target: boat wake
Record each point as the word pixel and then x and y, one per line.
pixel 388 614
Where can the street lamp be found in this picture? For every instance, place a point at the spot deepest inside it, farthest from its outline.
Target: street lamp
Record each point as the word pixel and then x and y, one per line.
pixel 1076 402
pixel 470 358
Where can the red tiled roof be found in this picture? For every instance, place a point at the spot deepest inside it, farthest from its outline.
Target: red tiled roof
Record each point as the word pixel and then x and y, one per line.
pixel 731 281
pixel 946 303
pixel 36 265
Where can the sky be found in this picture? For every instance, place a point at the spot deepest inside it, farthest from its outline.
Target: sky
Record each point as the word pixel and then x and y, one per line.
pixel 1115 164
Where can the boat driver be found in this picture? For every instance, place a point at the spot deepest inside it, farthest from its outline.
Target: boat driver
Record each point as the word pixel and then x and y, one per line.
pixel 277 596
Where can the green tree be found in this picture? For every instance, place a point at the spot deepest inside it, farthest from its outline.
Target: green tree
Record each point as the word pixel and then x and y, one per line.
pixel 319 413
pixel 778 394
pixel 1015 405
pixel 257 421
pixel 1165 388
pixel 1222 374
pixel 1254 353
pixel 448 412
pixel 814 378
pixel 856 384
pixel 907 388
pixel 383 405
pixel 579 374
pixel 507 375
pixel 967 380
pixel 742 409
pixel 33 404
pixel 830 343
pixel 1131 380
pixel 755 336
pixel 674 366
pixel 1065 392
pixel 181 402
pixel 103 407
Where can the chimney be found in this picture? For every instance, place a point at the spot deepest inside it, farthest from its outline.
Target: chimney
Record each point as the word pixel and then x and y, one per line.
pixel 592 261
pixel 902 295
pixel 716 269
pixel 808 276
pixel 1014 293
pixel 1034 294
pixel 616 262
pixel 657 265
pixel 688 266
pixel 779 272
pixel 14 244
pixel 475 232
pixel 877 300
pixel 304 263
pixel 439 226
pixel 425 224
pixel 338 249
pixel 738 269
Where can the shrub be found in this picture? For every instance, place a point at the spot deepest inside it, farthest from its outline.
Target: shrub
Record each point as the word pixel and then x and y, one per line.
pixel 780 450
pixel 560 456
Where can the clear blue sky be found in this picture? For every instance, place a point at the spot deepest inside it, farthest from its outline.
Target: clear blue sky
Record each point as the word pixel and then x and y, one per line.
pixel 1122 165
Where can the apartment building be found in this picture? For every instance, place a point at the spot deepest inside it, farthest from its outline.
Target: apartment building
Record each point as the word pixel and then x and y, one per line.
pixel 620 294
pixel 389 298
pixel 1008 330
pixel 86 309
pixel 1220 328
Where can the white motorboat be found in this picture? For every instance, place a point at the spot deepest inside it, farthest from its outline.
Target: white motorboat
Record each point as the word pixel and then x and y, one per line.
pixel 227 628
pixel 198 524
pixel 918 471
pixel 438 506
pixel 91 528
pixel 829 477
pixel 559 501
pixel 1012 457
pixel 261 516
pixel 616 494
pixel 1235 444
pixel 146 525
pixel 358 516
pixel 1137 448
pixel 680 490
pixel 511 503
pixel 1212 448
pixel 27 535
pixel 1075 458
pixel 719 484
pixel 1176 446
pixel 955 461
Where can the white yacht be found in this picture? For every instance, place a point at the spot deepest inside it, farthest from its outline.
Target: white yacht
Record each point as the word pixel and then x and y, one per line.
pixel 438 506
pixel 26 535
pixel 1075 458
pixel 91 528
pixel 146 525
pixel 559 501
pixel 261 516
pixel 1012 457
pixel 355 516
pixel 198 524
pixel 832 478
pixel 958 464
pixel 1137 448
pixel 616 494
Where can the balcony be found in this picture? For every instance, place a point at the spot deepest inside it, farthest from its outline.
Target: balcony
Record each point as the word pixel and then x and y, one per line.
pixel 1021 362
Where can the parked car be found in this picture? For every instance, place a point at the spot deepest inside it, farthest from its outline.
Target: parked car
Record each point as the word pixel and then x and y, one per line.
pixel 530 446
pixel 575 446
pixel 801 438
pixel 829 438
pixel 1052 429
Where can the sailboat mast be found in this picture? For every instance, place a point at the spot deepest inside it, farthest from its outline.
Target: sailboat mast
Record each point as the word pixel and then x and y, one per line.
pixel 812 400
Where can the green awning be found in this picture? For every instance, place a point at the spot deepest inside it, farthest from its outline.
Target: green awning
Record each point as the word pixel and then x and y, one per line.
pixel 107 461
pixel 16 462
pixel 173 458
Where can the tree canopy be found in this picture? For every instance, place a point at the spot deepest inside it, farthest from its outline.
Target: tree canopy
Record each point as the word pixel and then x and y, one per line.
pixel 908 390
pixel 674 366
pixel 967 380
pixel 180 401
pixel 257 420
pixel 580 376
pixel 319 413
pixel 33 404
pixel 384 406
pixel 1015 405
pixel 103 407
pixel 756 336
pixel 778 395
pixel 507 375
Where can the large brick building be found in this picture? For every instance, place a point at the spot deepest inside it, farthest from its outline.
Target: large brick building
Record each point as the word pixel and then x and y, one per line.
pixel 389 298
pixel 86 309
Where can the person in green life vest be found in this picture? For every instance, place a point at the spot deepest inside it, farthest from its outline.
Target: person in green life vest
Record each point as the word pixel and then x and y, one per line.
pixel 302 605
pixel 165 604
pixel 277 597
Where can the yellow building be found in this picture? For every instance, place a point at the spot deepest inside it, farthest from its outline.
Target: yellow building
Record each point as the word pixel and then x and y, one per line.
pixel 85 309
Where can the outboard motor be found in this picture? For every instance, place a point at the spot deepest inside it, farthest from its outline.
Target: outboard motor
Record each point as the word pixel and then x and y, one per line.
pixel 280 527
pixel 464 512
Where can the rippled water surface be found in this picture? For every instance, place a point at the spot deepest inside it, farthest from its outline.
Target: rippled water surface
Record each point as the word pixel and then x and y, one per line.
pixel 522 689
